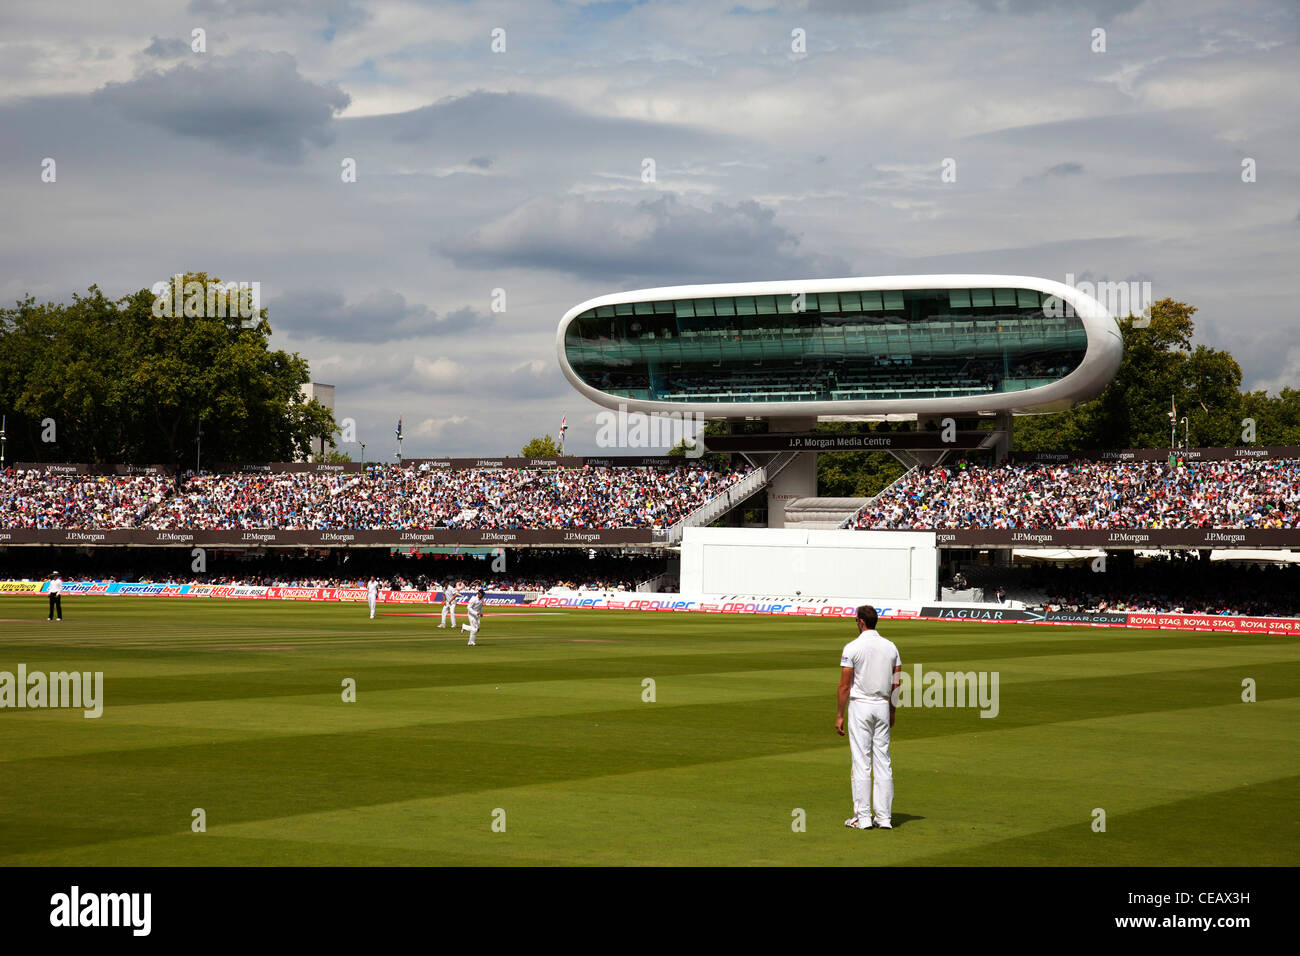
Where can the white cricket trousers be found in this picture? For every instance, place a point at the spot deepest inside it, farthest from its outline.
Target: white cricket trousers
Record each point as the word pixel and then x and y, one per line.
pixel 472 627
pixel 872 775
pixel 370 598
pixel 448 608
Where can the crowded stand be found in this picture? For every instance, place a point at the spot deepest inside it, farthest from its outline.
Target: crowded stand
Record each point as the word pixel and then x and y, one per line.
pixel 1093 495
pixel 32 499
pixel 383 497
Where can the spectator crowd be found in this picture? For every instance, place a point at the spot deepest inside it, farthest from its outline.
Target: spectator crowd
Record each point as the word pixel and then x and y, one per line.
pixel 32 499
pixel 383 497
pixel 1093 495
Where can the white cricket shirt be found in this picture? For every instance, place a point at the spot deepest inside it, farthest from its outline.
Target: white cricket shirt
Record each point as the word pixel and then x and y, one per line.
pixel 873 659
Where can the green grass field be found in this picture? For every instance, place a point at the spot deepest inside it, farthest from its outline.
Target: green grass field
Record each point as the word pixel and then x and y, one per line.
pixel 236 707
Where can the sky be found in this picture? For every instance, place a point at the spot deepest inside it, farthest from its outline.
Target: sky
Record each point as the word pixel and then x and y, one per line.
pixel 507 145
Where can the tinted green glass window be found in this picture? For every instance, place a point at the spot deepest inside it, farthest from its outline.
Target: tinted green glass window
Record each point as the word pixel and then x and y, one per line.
pixel 904 345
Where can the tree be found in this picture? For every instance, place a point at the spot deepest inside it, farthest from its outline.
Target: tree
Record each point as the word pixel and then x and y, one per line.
pixel 854 474
pixel 334 455
pixel 544 447
pixel 1160 368
pixel 124 384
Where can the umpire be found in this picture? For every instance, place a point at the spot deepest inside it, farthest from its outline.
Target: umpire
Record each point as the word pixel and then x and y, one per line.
pixel 56 596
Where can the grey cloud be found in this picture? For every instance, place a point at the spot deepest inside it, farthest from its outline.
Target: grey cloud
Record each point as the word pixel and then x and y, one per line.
pixel 656 238
pixel 375 317
pixel 338 14
pixel 1057 171
pixel 249 101
pixel 503 119
pixel 536 378
pixel 1064 169
pixel 1027 7
pixel 1016 7
pixel 464 319
pixel 480 162
pixel 168 48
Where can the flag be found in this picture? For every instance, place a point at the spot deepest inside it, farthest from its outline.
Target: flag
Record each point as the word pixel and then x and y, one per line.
pixel 564 423
pixel 399 428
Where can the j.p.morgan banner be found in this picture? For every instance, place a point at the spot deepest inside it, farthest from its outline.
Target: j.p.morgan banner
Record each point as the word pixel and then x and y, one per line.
pixel 1257 452
pixel 1157 539
pixel 1118 539
pixel 841 441
pixel 269 538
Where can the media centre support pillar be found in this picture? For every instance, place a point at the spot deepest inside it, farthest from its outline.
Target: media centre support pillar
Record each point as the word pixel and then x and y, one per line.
pixel 797 479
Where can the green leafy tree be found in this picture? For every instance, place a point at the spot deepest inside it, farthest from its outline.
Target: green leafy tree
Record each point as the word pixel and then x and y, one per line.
pixel 1160 368
pixel 124 384
pixel 544 447
pixel 854 474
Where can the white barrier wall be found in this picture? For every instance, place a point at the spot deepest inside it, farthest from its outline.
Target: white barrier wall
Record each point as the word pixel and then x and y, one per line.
pixel 879 565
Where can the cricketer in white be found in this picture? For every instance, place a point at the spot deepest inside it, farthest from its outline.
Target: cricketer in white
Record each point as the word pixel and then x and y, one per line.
pixel 869 673
pixel 475 608
pixel 449 600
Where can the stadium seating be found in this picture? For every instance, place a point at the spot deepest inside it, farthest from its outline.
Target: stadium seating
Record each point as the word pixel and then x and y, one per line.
pixel 32 499
pixel 1093 495
pixel 383 497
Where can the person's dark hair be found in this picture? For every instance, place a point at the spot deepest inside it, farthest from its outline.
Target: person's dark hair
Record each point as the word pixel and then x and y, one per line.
pixel 868 616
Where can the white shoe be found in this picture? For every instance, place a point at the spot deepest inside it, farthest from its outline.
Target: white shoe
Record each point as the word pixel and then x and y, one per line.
pixel 884 826
pixel 855 823
pixel 471 644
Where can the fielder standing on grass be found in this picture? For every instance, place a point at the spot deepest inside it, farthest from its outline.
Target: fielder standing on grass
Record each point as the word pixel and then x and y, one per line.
pixel 869 675
pixel 372 595
pixel 449 599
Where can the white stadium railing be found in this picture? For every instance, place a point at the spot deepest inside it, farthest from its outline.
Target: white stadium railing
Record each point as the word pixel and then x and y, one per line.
pixel 715 508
